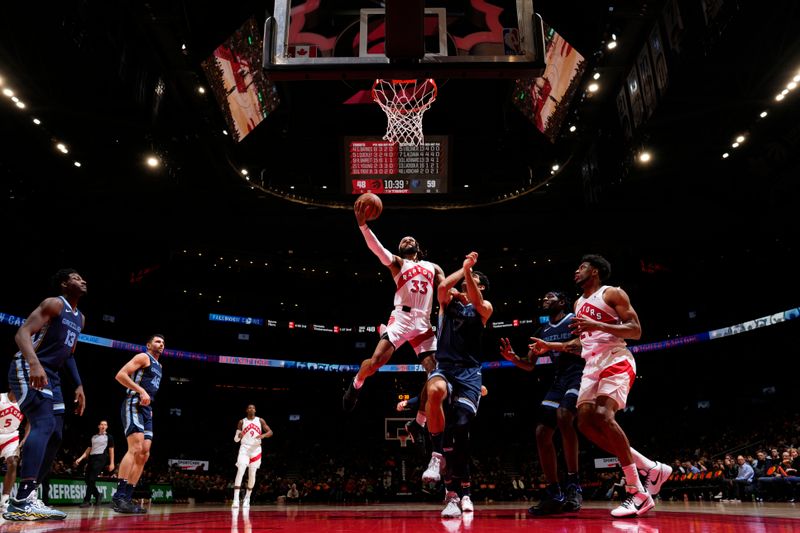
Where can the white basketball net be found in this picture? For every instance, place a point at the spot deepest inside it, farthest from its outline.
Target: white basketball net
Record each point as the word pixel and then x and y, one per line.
pixel 404 102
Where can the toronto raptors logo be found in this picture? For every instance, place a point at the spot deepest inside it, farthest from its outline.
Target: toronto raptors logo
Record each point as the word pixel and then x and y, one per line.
pixel 252 430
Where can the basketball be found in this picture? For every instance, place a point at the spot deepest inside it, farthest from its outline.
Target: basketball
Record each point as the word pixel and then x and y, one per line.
pixel 374 205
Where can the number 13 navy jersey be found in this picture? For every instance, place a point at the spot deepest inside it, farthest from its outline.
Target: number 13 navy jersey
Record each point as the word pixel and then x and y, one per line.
pixel 54 343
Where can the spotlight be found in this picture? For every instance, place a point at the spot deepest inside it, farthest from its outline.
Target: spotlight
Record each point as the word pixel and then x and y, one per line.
pixel 796 79
pixel 645 157
pixel 201 89
pixel 735 145
pixel 573 128
pixel 556 167
pixel 466 185
pixel 726 155
pixel 224 132
pixel 763 114
pixel 152 161
pixel 785 92
pixel 8 92
pixel 593 87
pixel 245 172
pixel 780 97
pixel 611 45
pixel 740 139
pixel 37 121
pixel 792 85
pixel 14 99
pixel 77 164
pixel 20 105
pixel 596 76
pixel 62 148
pixel 183 46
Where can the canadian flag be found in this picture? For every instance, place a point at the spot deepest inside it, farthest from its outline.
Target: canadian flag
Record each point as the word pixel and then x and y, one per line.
pixel 302 50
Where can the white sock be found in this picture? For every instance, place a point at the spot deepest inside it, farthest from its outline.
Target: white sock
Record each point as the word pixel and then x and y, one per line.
pixel 357 382
pixel 236 495
pixel 642 462
pixel 421 418
pixel 5 499
pixel 632 477
pixel 247 494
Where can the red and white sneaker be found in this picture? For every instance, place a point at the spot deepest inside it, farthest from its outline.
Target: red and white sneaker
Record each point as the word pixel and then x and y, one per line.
pixel 434 470
pixel 636 504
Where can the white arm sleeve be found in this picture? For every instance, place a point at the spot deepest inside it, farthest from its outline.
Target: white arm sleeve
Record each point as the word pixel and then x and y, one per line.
pixel 377 248
pixel 238 436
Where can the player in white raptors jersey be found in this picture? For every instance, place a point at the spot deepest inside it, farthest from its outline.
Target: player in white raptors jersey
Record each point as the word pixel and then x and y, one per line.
pixel 604 317
pixel 416 281
pixel 250 431
pixel 10 419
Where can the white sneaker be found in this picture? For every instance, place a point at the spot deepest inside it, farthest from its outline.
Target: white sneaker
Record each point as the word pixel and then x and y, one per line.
pixel 246 503
pixel 435 467
pixel 235 503
pixel 656 477
pixel 466 505
pixel 636 504
pixel 451 510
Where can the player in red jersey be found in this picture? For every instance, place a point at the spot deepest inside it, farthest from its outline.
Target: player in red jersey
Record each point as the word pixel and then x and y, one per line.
pixel 416 281
pixel 604 318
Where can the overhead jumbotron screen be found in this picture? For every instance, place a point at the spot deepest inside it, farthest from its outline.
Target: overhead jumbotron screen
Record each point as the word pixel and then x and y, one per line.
pixel 382 167
pixel 238 82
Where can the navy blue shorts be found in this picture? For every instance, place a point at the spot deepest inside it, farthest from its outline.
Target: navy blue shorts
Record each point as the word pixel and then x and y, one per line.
pixel 563 393
pixel 463 385
pixel 19 382
pixel 137 418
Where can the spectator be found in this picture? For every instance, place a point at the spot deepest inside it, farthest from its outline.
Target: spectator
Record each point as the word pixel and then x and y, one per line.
pixel 293 495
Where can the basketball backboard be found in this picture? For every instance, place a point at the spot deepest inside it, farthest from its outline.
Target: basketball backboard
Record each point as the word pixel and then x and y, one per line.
pixel 347 39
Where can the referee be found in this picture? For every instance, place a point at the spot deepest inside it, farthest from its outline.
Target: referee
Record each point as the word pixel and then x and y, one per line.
pixel 100 454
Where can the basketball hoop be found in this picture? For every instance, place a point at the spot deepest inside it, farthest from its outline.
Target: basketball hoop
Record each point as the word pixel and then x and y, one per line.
pixel 404 102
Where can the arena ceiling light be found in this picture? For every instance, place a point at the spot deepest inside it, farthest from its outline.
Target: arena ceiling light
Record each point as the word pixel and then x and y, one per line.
pixel 726 155
pixel 152 161
pixel 740 139
pixel 763 114
pixel 20 104
pixel 780 97
pixel 8 92
pixel 593 87
pixel 245 172
pixel 735 145
pixel 201 89
pixel 61 147
pixel 611 45
pixel 77 164
pixel 596 76
pixel 573 128
pixel 644 156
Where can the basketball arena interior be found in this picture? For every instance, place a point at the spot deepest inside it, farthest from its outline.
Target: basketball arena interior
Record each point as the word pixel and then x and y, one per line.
pixel 204 186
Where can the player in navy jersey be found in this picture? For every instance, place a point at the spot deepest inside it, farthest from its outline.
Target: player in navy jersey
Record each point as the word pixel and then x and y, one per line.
pixel 454 388
pixel 558 408
pixel 142 377
pixel 46 342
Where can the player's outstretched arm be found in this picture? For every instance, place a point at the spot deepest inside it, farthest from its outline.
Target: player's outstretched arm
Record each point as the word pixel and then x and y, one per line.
pixel 539 346
pixel 483 307
pixel 509 355
pixel 386 257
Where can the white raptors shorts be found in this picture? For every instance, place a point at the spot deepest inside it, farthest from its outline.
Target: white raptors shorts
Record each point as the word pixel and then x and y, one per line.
pixel 413 327
pixel 9 444
pixel 608 374
pixel 249 456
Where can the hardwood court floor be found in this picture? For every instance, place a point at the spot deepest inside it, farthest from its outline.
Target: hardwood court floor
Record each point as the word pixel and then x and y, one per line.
pixel 683 517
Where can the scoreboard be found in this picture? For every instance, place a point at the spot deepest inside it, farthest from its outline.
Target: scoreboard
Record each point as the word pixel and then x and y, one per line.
pixel 382 167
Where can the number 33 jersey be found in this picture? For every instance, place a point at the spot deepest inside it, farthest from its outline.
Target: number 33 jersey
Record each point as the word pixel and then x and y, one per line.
pixel 415 285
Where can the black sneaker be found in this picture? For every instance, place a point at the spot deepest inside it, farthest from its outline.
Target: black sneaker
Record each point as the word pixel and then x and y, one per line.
pixel 549 505
pixel 573 498
pixel 416 433
pixel 350 397
pixel 123 506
